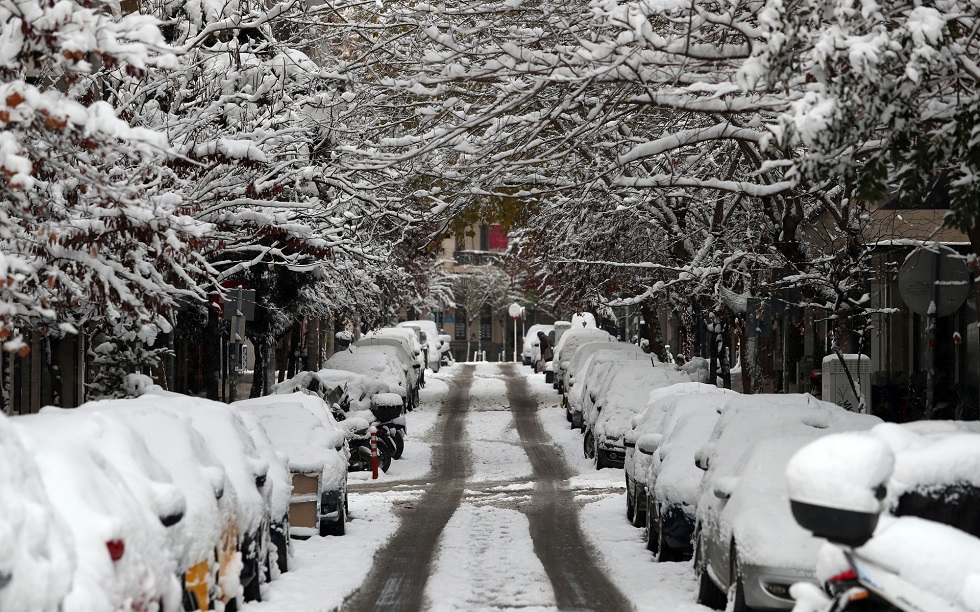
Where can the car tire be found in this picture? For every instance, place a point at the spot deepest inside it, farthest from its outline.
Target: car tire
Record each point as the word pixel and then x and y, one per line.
pixel 588 444
pixel 630 503
pixel 651 535
pixel 399 439
pixel 708 592
pixel 599 461
pixel 253 590
pixel 280 540
pixel 639 510
pixel 338 527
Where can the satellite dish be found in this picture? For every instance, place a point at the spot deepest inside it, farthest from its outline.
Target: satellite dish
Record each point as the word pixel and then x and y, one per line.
pixel 934 273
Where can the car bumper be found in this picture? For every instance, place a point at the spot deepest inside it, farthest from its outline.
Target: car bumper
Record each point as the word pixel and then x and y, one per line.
pixel 612 455
pixel 767 588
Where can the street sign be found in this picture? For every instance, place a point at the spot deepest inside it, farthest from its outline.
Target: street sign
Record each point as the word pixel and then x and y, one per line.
pixel 934 273
pixel 239 302
pixel 515 310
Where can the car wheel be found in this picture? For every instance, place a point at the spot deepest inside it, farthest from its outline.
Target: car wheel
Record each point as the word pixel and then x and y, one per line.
pixel 708 593
pixel 399 439
pixel 588 444
pixel 338 527
pixel 651 529
pixel 639 506
pixel 253 592
pixel 599 461
pixel 281 541
pixel 664 552
pixel 630 502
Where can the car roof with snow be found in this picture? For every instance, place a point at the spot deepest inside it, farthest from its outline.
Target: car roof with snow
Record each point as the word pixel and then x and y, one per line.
pixel 625 395
pixel 372 363
pixel 300 429
pixel 672 398
pixel 746 419
pixel 576 337
pixel 226 435
pixel 675 477
pixel 758 510
pixel 583 356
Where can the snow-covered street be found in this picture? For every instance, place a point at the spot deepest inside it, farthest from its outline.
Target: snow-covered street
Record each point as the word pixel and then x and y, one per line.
pixel 492 506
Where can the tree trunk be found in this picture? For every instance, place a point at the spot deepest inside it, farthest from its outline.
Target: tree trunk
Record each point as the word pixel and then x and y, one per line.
pixel 312 347
pixel 211 362
pixel 258 368
pixel 654 333
pixel 270 368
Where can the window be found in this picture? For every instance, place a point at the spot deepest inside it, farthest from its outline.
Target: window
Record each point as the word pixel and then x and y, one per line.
pixel 486 324
pixel 460 319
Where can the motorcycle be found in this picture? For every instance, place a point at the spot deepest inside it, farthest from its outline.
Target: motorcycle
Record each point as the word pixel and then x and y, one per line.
pixel 390 428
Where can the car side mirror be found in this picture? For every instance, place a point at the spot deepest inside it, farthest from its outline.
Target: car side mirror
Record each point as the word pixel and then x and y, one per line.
pixel 724 486
pixel 649 443
pixel 701 458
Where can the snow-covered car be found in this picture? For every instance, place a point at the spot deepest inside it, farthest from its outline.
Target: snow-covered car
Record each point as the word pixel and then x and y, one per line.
pixel 209 537
pixel 278 491
pixel 432 346
pixel 409 340
pixel 348 390
pixel 37 550
pixel 531 341
pixel 925 560
pixel 671 485
pixel 395 351
pixel 623 396
pixel 121 547
pixel 578 367
pixel 746 541
pixel 569 342
pixel 375 363
pixel 663 407
pixel 222 427
pixel 302 428
pixel 601 365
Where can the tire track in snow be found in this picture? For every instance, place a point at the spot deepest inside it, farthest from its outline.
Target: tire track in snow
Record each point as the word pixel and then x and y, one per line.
pixel 558 541
pixel 397 580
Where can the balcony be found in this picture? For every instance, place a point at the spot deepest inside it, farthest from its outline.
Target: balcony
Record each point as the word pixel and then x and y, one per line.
pixel 478 258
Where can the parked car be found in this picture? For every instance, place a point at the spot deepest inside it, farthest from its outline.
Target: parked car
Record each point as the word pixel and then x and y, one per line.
pixel 302 428
pixel 36 544
pixel 590 373
pixel 432 346
pixel 379 365
pixel 123 560
pixel 581 356
pixel 746 542
pixel 671 484
pixel 622 397
pixel 349 390
pixel 569 343
pixel 209 540
pixel 929 558
pixel 410 340
pixel 278 491
pixel 531 341
pixel 226 436
pixel 663 407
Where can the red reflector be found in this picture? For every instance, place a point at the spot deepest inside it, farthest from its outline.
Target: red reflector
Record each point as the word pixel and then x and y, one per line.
pixel 844 576
pixel 116 549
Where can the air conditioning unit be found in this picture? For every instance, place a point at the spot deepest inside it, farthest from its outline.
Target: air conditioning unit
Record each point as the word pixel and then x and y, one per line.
pixel 837 389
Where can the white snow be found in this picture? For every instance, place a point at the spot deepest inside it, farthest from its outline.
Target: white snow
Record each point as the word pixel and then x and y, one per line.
pixel 485 560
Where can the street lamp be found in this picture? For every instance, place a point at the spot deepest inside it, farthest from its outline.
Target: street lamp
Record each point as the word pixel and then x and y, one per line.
pixel 516 311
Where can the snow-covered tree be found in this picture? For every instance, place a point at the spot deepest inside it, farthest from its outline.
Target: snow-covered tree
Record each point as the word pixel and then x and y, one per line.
pixel 85 231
